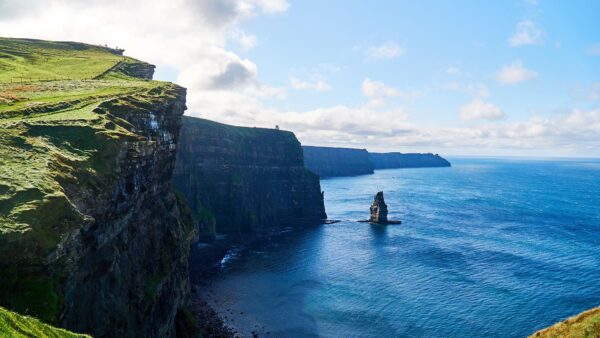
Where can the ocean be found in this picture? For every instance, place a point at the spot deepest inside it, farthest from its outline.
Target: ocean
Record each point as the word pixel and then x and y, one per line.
pixel 486 248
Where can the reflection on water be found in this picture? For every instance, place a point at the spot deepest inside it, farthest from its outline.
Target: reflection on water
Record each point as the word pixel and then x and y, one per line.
pixel 492 248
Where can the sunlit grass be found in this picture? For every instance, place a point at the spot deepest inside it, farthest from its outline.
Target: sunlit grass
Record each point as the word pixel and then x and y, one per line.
pixel 13 325
pixel 584 325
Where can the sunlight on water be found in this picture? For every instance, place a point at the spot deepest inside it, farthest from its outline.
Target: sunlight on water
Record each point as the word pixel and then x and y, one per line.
pixel 487 248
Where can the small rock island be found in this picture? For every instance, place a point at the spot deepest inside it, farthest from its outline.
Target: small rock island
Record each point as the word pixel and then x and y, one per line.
pixel 379 209
pixel 379 212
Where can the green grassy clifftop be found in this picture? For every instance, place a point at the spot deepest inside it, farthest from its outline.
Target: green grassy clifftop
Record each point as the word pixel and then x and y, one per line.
pixel 87 214
pixel 57 132
pixel 583 325
pixel 13 325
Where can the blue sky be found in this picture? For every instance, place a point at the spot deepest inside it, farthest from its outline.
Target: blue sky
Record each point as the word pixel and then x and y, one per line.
pixel 471 36
pixel 517 77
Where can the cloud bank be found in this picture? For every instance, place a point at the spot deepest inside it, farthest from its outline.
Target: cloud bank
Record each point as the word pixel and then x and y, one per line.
pixel 202 45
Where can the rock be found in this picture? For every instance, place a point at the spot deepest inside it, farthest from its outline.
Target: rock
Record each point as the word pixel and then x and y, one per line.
pixel 240 180
pixel 331 162
pixel 379 210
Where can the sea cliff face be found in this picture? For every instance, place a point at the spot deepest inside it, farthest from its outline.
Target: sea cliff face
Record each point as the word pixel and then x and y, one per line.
pixel 328 161
pixel 92 235
pixel 241 180
pixel 407 160
pixel 131 260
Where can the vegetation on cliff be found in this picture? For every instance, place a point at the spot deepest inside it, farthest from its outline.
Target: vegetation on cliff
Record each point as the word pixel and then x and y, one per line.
pixel 78 124
pixel 13 325
pixel 583 325
pixel 53 133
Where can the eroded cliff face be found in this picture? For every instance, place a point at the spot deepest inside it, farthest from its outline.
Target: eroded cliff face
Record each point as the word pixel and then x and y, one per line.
pixel 127 269
pixel 407 160
pixel 244 180
pixel 331 161
pixel 92 236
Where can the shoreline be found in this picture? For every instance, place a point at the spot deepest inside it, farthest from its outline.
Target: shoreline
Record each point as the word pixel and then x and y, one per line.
pixel 215 317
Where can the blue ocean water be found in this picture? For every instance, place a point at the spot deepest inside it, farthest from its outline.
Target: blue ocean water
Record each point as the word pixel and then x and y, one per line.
pixel 487 248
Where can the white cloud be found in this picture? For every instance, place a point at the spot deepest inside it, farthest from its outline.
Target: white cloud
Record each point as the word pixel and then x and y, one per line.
pixel 526 33
pixel 192 37
pixel 318 85
pixel 375 89
pixel 187 36
pixel 243 40
pixel 480 110
pixel 377 92
pixel 514 73
pixel 575 132
pixel 386 51
pixel 452 71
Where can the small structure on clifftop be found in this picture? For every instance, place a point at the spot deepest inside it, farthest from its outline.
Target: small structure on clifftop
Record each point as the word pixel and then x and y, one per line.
pixel 379 211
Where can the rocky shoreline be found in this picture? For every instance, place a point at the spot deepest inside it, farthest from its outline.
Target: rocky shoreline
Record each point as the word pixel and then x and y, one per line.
pixel 215 318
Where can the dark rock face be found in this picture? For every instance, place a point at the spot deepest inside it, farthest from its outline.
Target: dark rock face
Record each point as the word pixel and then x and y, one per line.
pixel 126 270
pixel 400 160
pixel 379 210
pixel 140 70
pixel 244 180
pixel 328 161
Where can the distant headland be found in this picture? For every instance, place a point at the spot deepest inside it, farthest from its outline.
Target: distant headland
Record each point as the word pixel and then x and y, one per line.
pixel 332 161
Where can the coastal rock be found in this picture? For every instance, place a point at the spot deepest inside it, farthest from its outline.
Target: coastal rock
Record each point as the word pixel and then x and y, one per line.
pixel 93 237
pixel 240 181
pixel 330 162
pixel 407 160
pixel 379 210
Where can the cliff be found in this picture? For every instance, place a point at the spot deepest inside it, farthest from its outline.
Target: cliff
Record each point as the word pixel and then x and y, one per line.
pixel 241 180
pixel 327 161
pixel 400 160
pixel 92 236
pixel 585 324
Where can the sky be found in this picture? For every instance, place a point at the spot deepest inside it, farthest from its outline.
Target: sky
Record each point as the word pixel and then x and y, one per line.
pixel 501 78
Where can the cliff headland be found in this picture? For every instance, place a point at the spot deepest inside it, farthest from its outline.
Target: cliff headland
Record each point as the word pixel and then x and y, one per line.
pixel 331 161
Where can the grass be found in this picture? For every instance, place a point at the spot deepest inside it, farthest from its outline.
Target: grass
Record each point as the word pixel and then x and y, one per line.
pixel 583 325
pixel 13 325
pixel 60 133
pixel 24 60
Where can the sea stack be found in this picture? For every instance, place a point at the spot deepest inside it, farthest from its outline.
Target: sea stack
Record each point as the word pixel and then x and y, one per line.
pixel 379 210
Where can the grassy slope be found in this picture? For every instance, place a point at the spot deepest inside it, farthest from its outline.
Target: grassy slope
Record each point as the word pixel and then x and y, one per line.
pixel 584 325
pixel 55 133
pixel 26 60
pixel 13 325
